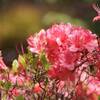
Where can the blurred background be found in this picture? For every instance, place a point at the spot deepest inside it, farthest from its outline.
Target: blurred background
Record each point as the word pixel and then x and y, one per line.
pixel 20 18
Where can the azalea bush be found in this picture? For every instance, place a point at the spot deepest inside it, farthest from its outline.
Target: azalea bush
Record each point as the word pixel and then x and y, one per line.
pixel 61 63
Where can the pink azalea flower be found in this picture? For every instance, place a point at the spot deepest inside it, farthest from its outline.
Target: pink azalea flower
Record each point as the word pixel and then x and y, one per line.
pixel 67 59
pixel 2 64
pixel 15 91
pixel 37 88
pixel 81 38
pixel 58 33
pixel 97 9
pixel 13 78
pixel 93 86
pixel 36 43
pixel 17 79
pixel 61 73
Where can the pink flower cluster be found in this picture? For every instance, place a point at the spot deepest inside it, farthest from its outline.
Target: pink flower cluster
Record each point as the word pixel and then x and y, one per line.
pixel 64 63
pixel 12 79
pixel 63 44
pixel 71 51
pixel 73 57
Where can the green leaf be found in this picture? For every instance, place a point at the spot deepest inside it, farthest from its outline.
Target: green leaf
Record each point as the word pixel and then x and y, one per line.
pixel 7 85
pixel 21 59
pixel 35 60
pixel 32 59
pixel 20 97
pixel 98 97
pixel 44 61
pixel 46 81
pixel 15 65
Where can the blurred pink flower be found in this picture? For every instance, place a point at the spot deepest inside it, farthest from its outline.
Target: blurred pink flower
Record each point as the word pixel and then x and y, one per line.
pixel 93 86
pixel 19 79
pixel 2 64
pixel 97 9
